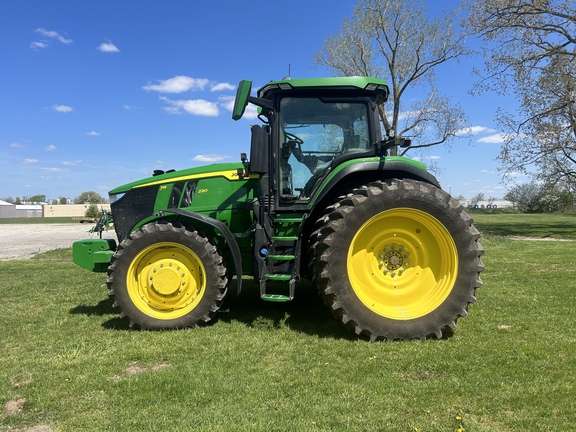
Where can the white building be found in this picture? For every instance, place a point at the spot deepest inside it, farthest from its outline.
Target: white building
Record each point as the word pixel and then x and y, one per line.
pixel 487 204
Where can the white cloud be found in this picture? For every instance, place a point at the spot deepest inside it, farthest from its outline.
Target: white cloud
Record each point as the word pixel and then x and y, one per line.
pixel 222 86
pixel 227 102
pixel 93 133
pixel 29 161
pixel 493 139
pixel 108 47
pixel 72 163
pixel 51 147
pixel 55 169
pixel 514 175
pixel 199 107
pixel 131 107
pixel 475 130
pixel 53 35
pixel 63 108
pixel 405 115
pixel 178 84
pixel 38 45
pixel 209 158
pixel 16 145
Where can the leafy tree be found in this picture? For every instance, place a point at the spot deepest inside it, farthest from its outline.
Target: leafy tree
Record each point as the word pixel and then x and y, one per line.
pixel 525 197
pixel 63 200
pixel 530 48
pixel 397 41
pixel 555 199
pixel 37 198
pixel 90 197
pixel 92 211
pixel 540 198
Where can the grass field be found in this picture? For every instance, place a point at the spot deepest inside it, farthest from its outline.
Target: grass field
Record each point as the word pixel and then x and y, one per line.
pixel 542 226
pixel 69 363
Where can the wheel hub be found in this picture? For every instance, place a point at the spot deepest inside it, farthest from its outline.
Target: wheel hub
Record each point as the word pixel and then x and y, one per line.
pixel 166 278
pixel 393 259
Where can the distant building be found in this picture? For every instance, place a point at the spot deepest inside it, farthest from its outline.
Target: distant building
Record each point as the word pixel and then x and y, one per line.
pixel 8 210
pixel 487 204
pixel 69 210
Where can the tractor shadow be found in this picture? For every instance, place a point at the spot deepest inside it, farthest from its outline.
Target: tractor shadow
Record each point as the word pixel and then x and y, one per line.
pixel 103 308
pixel 305 314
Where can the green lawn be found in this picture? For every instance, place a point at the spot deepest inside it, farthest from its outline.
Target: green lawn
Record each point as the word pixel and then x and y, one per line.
pixel 509 366
pixel 556 225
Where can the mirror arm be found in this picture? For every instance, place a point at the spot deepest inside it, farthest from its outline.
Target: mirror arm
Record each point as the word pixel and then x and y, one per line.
pixel 264 103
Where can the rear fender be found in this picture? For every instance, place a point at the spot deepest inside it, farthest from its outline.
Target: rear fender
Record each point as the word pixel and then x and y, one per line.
pixel 374 170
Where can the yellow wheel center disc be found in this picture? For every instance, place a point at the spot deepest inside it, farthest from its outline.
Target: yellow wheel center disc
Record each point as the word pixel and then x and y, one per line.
pixel 166 280
pixel 402 263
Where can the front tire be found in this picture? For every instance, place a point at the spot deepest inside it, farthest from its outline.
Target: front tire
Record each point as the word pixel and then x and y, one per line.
pixel 167 276
pixel 397 260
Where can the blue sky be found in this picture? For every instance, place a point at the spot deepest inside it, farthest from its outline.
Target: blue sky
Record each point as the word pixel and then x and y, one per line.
pixel 94 94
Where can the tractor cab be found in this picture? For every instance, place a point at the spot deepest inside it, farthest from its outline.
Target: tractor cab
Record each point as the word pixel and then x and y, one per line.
pixel 311 126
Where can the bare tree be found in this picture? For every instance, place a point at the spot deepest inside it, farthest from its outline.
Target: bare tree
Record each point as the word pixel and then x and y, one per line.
pixel 530 50
pixel 397 41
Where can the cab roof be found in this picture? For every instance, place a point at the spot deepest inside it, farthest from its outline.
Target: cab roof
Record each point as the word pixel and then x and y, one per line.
pixel 357 84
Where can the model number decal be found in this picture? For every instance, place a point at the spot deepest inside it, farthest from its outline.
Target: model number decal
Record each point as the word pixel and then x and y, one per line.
pixel 202 191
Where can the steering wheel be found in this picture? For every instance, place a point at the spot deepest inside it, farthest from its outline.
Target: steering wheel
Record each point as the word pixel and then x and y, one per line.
pixel 292 137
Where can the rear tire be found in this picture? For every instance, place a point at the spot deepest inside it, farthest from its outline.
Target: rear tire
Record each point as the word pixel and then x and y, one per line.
pixel 167 276
pixel 397 260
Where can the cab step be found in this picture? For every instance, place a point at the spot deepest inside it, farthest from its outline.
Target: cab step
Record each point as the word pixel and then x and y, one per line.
pixel 277 298
pixel 284 238
pixel 277 277
pixel 281 257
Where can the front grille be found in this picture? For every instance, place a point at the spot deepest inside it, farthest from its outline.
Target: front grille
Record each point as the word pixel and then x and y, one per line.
pixel 134 206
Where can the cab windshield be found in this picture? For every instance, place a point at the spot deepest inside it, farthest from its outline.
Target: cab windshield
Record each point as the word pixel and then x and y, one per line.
pixel 313 132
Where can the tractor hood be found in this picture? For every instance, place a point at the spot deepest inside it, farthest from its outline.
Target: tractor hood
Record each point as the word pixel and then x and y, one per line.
pixel 227 170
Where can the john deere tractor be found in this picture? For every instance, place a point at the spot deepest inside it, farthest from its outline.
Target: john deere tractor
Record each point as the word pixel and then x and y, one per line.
pixel 392 255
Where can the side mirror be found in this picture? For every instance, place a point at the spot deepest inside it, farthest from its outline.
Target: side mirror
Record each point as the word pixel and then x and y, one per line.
pixel 242 98
pixel 404 142
pixel 383 146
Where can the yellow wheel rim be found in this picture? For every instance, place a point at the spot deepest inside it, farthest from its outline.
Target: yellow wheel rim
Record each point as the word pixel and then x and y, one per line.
pixel 402 263
pixel 166 280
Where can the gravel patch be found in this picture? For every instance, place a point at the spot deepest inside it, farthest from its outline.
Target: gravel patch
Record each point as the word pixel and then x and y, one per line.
pixel 23 241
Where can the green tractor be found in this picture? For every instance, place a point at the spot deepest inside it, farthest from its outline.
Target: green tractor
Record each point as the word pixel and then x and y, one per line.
pixel 392 255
